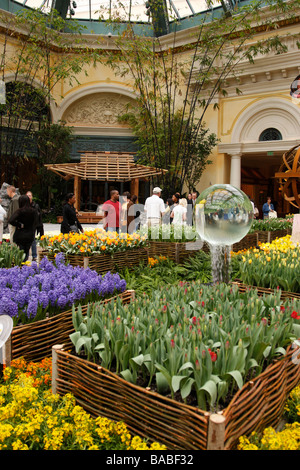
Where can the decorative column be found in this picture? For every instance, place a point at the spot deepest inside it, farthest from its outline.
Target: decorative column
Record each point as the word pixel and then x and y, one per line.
pixel 235 170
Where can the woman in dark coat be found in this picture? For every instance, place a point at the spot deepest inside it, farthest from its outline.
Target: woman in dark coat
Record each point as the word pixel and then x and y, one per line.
pixel 70 221
pixel 25 221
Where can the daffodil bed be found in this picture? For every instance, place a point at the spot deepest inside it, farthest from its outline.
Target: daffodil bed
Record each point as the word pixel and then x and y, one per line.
pixel 91 242
pixel 271 265
pixel 32 418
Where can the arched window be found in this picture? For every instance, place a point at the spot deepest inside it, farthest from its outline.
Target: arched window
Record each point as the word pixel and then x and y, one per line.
pixel 270 134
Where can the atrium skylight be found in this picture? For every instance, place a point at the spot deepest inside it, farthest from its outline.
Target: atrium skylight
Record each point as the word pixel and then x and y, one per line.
pixel 136 10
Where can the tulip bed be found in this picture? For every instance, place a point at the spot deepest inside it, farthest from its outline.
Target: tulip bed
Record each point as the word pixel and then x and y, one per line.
pixel 170 233
pixel 270 225
pixel 197 343
pixel 10 255
pixel 271 265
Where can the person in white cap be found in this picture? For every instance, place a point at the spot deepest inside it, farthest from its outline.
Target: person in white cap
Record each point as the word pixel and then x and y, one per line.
pixel 154 208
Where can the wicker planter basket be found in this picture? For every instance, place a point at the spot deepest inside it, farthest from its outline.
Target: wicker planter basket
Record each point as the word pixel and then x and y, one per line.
pixel 258 404
pixel 34 341
pixel 103 263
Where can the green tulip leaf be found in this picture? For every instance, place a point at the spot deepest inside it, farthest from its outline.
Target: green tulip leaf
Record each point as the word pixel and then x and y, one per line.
pixel 210 387
pixel 162 383
pixel 237 377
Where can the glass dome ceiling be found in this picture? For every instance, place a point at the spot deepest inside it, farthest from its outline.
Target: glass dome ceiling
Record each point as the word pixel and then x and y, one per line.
pixel 133 9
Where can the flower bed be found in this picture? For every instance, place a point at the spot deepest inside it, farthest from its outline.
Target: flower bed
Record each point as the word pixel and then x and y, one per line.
pixel 175 251
pixel 169 233
pixel 191 347
pixel 162 271
pixel 176 242
pixel 99 250
pixel 271 225
pixel 10 255
pixel 34 341
pixel 30 293
pixel 287 438
pixel 272 265
pixel 176 425
pixel 93 242
pixel 32 418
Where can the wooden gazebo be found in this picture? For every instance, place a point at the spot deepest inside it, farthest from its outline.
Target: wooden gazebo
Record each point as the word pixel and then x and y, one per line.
pixel 104 166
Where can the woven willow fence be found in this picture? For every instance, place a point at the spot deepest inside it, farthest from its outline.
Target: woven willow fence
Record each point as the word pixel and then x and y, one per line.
pixel 34 341
pixel 104 262
pixel 175 251
pixel 268 237
pixel 265 290
pixel 258 404
pixel 180 251
pixel 146 413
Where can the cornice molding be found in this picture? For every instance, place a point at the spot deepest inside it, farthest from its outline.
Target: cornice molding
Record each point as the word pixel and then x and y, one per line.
pixel 239 149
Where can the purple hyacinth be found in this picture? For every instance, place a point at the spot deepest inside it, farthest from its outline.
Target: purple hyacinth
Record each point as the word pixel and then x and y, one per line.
pixel 52 287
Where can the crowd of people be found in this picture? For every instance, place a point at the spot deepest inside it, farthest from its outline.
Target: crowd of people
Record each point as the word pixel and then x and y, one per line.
pixel 24 219
pixel 124 214
pixel 120 214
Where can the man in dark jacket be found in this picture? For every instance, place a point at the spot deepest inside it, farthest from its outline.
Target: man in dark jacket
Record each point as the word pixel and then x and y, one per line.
pixel 39 229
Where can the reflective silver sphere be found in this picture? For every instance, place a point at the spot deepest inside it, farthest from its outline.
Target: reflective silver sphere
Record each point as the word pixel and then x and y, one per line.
pixel 223 215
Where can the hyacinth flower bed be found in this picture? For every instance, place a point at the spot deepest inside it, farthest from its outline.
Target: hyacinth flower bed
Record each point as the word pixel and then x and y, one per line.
pixel 271 265
pixel 198 344
pixel 92 242
pixel 32 418
pixel 29 293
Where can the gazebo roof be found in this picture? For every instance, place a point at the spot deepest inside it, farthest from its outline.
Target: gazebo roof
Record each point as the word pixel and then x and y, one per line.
pixel 105 166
